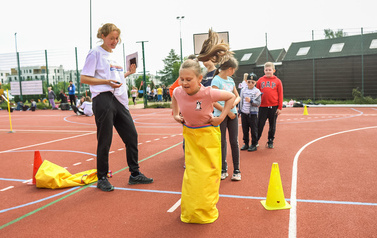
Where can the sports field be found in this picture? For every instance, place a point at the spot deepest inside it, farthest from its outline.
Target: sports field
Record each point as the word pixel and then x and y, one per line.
pixel 327 162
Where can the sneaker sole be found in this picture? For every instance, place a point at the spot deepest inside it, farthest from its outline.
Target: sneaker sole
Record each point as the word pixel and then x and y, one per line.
pixel 133 183
pixel 107 190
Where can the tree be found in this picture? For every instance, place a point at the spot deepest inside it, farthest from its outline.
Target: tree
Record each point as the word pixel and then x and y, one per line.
pixel 171 69
pixel 330 34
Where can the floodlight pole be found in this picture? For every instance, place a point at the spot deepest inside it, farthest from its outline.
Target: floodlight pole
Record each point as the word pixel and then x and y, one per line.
pixel 19 68
pixel 144 77
pixel 90 24
pixel 180 34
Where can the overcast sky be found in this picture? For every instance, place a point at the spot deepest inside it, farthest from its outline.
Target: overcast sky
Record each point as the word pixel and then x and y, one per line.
pixel 63 25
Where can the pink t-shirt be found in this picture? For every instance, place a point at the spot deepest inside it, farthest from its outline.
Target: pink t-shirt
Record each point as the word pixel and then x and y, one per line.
pixel 197 109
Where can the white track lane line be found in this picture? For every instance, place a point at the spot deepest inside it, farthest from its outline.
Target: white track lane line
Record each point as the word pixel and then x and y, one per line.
pixel 4 189
pixel 292 215
pixel 44 143
pixel 175 206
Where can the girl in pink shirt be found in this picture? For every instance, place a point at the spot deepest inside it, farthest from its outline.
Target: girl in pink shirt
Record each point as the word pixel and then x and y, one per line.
pixel 193 106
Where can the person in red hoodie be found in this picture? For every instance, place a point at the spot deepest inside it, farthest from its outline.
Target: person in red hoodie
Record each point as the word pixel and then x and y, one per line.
pixel 272 102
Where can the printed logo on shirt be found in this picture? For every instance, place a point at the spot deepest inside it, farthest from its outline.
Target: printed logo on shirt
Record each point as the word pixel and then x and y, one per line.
pixel 268 84
pixel 116 68
pixel 198 105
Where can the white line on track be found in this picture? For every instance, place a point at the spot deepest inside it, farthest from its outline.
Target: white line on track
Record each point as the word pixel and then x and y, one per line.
pixel 90 159
pixel 175 206
pixel 77 164
pixel 44 143
pixel 292 215
pixel 4 189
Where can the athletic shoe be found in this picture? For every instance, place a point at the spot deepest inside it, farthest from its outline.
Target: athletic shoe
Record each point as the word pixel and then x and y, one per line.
pixel 252 148
pixel 224 175
pixel 257 145
pixel 104 185
pixel 140 179
pixel 245 147
pixel 236 176
pixel 270 144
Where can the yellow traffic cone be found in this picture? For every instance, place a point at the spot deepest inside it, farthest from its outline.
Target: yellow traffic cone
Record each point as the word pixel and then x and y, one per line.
pixel 275 196
pixel 306 110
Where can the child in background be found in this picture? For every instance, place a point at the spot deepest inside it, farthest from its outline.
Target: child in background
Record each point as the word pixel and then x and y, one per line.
pixel 134 94
pixel 85 107
pixel 159 94
pixel 192 105
pixel 272 102
pixel 248 108
pixel 222 80
pixel 51 97
pixel 33 105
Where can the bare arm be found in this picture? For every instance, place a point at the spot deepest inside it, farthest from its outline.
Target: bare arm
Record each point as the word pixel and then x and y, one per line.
pixel 229 98
pixel 96 81
pixel 176 114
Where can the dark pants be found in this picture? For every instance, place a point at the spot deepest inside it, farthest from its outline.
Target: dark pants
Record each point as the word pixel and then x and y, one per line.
pixel 250 121
pixel 232 125
pixel 270 114
pixel 109 112
pixel 72 98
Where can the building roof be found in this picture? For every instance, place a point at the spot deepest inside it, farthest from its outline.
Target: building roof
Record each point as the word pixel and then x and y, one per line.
pixel 330 48
pixel 252 56
pixel 278 54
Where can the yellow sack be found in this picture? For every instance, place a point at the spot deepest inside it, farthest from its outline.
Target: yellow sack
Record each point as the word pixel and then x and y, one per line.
pixel 201 180
pixel 53 176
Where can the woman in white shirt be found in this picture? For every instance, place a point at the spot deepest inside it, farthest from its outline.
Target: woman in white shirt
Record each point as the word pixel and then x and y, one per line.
pixel 110 106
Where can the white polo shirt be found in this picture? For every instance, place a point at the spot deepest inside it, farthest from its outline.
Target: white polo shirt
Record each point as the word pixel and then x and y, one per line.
pixel 100 64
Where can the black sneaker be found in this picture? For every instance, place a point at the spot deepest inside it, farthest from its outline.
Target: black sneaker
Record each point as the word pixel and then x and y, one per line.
pixel 140 179
pixel 104 185
pixel 252 148
pixel 270 144
pixel 244 147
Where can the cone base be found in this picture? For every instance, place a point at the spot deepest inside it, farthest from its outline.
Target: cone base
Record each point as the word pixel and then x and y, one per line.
pixel 286 206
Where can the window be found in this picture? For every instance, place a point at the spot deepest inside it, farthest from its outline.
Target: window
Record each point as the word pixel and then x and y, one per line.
pixel 373 44
pixel 303 51
pixel 338 47
pixel 246 57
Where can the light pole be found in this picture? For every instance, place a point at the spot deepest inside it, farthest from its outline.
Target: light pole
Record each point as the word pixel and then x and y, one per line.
pixel 144 77
pixel 18 64
pixel 180 34
pixel 90 23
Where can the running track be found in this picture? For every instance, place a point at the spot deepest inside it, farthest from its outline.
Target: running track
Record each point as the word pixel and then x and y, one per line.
pixel 327 164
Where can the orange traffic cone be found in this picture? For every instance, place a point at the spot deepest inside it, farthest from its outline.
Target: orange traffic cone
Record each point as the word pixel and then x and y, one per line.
pixel 37 163
pixel 275 196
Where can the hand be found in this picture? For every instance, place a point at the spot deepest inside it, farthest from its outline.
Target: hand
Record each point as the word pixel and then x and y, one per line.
pixel 215 121
pixel 278 112
pixel 114 83
pixel 231 115
pixel 132 69
pixel 247 99
pixel 179 119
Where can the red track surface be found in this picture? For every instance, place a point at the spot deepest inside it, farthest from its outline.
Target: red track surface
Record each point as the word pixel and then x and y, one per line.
pixel 336 178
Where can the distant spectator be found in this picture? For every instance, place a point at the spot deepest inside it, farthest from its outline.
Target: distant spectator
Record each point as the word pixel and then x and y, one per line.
pixel 33 105
pixel 71 93
pixel 20 104
pixel 85 108
pixel 62 97
pixel 51 97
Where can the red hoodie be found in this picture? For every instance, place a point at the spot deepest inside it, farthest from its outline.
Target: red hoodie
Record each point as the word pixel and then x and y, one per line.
pixel 272 91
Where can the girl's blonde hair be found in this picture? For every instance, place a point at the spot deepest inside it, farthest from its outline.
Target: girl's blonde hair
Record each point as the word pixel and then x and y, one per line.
pixel 106 29
pixel 212 50
pixel 245 76
pixel 218 53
